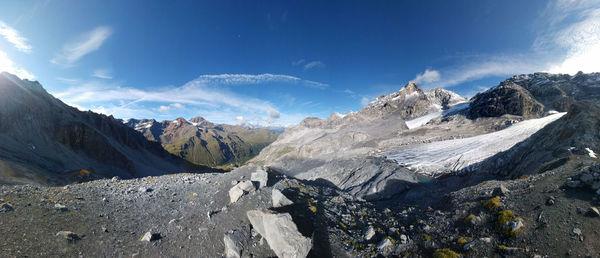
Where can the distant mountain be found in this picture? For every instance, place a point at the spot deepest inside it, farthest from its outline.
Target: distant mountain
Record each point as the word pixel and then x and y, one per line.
pixel 46 141
pixel 202 142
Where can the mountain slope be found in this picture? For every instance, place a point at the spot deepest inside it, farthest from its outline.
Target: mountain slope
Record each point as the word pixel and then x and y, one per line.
pixel 46 141
pixel 202 142
pixel 335 149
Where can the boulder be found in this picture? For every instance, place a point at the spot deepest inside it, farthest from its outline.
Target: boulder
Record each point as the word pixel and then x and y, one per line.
pixel 281 233
pixel 235 241
pixel 260 176
pixel 240 189
pixel 6 207
pixel 500 191
pixel 149 236
pixel 586 178
pixel 279 200
pixel 370 233
pixel 68 235
pixel 384 244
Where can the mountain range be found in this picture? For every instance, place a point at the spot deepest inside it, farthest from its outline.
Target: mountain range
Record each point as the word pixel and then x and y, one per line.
pixel 204 143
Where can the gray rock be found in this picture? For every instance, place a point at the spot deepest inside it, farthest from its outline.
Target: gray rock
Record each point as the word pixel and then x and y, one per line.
pixel 403 239
pixel 60 207
pixel 577 231
pixel 6 207
pixel 596 185
pixel 586 178
pixel 500 191
pixel 369 233
pixel 240 189
pixel 235 241
pixel 68 235
pixel 384 244
pixel 149 236
pixel 550 201
pixel 281 233
pixel 260 176
pixel 279 200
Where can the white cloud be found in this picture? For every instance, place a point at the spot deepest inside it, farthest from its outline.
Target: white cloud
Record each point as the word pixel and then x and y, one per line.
pixel 245 79
pixel 365 101
pixel 14 37
pixel 314 64
pixel 273 114
pixel 7 65
pixel 298 62
pixel 167 108
pixel 87 43
pixel 102 74
pixel 428 76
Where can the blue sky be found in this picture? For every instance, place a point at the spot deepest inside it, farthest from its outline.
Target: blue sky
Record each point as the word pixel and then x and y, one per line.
pixel 277 62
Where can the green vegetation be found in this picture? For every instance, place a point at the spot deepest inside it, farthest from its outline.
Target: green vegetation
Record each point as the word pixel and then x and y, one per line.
pixel 469 218
pixel 464 240
pixel 493 203
pixel 444 253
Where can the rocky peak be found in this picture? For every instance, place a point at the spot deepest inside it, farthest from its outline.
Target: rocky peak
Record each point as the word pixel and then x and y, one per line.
pixel 444 98
pixel 200 121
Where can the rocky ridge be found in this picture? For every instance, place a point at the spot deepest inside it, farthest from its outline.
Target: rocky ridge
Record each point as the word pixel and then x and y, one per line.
pixel 204 143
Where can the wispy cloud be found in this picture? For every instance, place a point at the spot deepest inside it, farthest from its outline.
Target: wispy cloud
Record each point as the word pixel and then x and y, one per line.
pixel 102 74
pixel 298 62
pixel 314 64
pixel 568 41
pixel 7 65
pixel 87 43
pixel 428 76
pixel 15 38
pixel 245 79
pixel 114 99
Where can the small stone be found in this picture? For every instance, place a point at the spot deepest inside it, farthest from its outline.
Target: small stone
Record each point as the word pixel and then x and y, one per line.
pixel 593 212
pixel 403 239
pixel 60 207
pixel 104 229
pixel 486 240
pixel 550 201
pixel 384 244
pixel 369 234
pixel 144 189
pixel 577 231
pixel 149 236
pixel 500 191
pixel 596 185
pixel 68 235
pixel 115 178
pixel 6 207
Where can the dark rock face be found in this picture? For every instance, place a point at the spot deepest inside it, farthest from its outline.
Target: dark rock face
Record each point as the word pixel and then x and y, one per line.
pixel 507 98
pixel 42 135
pixel 531 95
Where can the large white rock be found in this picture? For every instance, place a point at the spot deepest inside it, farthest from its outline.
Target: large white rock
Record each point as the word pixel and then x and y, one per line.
pixel 260 176
pixel 281 233
pixel 240 189
pixel 279 200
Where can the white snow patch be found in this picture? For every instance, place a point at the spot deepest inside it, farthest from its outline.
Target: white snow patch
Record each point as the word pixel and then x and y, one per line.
pixel 175 122
pixel 591 153
pixel 552 112
pixel 441 157
pixel 422 120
